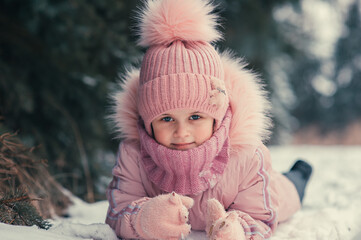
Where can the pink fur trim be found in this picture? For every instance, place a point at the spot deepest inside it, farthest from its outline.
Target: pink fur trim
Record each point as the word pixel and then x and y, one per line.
pixel 164 21
pixel 125 113
pixel 250 107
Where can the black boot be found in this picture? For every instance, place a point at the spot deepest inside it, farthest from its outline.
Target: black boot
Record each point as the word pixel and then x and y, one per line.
pixel 299 175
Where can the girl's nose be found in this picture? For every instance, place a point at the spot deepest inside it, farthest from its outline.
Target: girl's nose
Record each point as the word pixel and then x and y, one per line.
pixel 182 130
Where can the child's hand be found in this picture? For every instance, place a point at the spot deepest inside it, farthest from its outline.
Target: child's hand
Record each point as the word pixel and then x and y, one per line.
pixel 164 217
pixel 222 225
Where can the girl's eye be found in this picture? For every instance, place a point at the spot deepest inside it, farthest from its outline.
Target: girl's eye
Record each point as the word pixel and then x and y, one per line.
pixel 167 119
pixel 195 117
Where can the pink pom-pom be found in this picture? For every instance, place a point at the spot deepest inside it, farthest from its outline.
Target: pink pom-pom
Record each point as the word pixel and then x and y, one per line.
pixel 164 21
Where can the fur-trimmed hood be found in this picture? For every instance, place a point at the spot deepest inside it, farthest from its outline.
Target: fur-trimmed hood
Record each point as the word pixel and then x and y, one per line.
pixel 250 108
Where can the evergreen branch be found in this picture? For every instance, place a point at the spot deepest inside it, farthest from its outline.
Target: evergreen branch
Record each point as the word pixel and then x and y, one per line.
pixel 16 209
pixel 15 199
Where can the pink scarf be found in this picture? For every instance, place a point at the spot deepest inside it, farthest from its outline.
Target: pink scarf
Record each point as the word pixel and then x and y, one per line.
pixel 186 172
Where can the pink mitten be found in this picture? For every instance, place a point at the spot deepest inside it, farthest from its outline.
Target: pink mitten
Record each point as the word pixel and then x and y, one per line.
pixel 222 225
pixel 164 217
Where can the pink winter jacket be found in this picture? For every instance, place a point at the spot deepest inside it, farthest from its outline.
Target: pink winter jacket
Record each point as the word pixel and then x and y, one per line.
pixel 261 196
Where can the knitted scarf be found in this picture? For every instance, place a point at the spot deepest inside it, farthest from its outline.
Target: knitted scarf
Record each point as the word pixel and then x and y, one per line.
pixel 187 172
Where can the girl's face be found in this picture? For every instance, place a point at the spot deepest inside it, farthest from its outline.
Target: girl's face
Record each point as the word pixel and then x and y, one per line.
pixel 182 129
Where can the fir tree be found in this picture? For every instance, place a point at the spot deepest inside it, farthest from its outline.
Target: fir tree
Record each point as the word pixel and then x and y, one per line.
pixel 27 191
pixel 16 209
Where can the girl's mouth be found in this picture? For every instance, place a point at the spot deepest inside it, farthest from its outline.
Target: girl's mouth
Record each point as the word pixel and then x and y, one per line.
pixel 183 146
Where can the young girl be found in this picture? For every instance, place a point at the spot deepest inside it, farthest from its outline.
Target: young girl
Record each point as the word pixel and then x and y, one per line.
pixel 193 121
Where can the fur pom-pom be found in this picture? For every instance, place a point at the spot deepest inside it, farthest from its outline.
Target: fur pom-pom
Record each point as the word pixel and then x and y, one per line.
pixel 164 21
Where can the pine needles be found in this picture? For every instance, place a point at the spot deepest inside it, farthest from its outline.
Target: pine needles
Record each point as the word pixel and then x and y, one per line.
pixel 16 209
pixel 28 193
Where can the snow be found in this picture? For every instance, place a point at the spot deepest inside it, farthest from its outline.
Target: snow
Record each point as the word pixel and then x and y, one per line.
pixel 330 210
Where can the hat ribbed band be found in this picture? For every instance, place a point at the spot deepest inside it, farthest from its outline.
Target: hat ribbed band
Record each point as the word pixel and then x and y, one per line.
pixel 176 91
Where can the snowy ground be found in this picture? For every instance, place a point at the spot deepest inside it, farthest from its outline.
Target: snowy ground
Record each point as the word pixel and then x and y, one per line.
pixel 331 210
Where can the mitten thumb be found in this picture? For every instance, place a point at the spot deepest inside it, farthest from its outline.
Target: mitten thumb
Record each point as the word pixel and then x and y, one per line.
pixel 215 210
pixel 187 201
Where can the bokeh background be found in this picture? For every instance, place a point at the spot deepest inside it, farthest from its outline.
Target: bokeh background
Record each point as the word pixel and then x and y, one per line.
pixel 60 61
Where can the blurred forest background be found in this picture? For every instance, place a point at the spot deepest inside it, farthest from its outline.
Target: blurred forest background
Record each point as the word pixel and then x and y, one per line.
pixel 60 61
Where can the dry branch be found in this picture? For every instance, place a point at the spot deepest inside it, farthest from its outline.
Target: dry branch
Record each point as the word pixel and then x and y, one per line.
pixel 20 168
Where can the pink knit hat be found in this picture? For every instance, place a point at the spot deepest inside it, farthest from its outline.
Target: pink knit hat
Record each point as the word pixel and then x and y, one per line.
pixel 181 69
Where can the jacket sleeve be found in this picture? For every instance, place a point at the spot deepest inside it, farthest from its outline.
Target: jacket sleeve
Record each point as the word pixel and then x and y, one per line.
pixel 264 197
pixel 125 192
